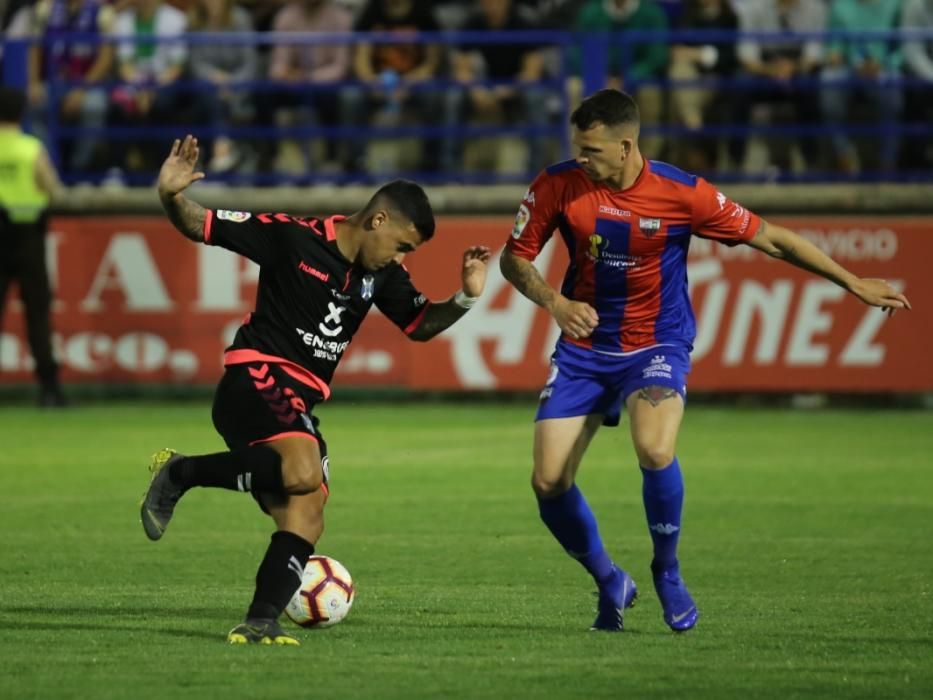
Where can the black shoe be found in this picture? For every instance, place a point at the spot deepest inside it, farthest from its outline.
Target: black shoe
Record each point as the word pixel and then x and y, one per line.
pixel 52 397
pixel 159 502
pixel 261 632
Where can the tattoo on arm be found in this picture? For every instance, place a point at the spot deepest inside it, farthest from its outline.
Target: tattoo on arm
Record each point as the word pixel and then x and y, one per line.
pixel 656 394
pixel 187 216
pixel 437 318
pixel 525 277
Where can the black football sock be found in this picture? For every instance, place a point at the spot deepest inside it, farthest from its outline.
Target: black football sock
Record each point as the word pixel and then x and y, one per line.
pixel 279 575
pixel 257 468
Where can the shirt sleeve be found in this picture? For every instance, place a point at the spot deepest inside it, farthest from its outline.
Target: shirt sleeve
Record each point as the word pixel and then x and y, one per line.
pixel 717 217
pixel 536 218
pixel 259 237
pixel 400 301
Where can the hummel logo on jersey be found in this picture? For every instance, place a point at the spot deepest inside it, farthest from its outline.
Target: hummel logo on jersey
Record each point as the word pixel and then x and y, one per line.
pixel 367 290
pixel 721 198
pixel 332 317
pixel 529 197
pixel 664 529
pixel 295 566
pixel 304 267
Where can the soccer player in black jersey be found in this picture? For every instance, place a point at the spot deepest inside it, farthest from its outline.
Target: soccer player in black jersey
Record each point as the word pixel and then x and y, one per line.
pixel 318 279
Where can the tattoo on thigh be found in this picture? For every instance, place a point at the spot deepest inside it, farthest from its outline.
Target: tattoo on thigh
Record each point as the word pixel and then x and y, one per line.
pixel 656 394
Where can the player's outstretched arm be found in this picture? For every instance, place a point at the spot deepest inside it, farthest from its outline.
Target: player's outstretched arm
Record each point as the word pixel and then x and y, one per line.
pixel 575 318
pixel 442 315
pixel 176 175
pixel 782 243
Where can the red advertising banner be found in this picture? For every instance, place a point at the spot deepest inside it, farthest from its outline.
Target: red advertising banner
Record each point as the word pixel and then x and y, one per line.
pixel 138 303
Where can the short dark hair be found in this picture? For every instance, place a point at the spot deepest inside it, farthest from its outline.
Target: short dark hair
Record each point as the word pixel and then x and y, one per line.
pixel 411 201
pixel 609 107
pixel 12 105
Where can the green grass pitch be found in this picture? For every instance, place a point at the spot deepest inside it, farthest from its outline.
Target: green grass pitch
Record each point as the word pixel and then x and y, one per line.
pixel 808 544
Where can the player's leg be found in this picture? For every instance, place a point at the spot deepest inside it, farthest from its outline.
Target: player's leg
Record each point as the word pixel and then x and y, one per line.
pixel 656 412
pixel 574 403
pixel 254 468
pixel 558 449
pixel 252 404
pixel 299 523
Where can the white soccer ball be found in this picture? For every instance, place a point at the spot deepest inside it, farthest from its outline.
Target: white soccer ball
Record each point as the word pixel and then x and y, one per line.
pixel 324 596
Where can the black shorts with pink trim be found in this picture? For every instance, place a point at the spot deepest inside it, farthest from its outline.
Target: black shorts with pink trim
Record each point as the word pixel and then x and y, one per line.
pixel 259 402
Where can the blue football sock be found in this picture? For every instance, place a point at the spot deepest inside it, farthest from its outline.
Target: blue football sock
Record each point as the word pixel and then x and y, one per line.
pixel 663 493
pixel 571 521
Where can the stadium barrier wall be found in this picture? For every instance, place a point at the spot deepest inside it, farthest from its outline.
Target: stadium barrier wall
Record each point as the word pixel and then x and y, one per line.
pixel 138 304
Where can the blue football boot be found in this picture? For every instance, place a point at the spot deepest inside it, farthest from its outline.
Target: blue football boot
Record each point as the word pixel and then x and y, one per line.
pixel 617 594
pixel 680 612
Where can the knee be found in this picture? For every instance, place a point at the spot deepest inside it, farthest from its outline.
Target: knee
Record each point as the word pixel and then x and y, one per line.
pixel 302 474
pixel 655 456
pixel 546 486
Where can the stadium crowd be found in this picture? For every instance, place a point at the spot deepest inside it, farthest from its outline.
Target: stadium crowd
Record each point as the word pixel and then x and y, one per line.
pixel 739 101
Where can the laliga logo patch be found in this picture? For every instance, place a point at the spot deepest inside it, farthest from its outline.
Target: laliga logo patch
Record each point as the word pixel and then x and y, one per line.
pixel 237 217
pixel 367 290
pixel 521 221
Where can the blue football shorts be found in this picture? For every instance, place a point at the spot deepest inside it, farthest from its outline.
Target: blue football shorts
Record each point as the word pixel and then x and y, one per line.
pixel 583 382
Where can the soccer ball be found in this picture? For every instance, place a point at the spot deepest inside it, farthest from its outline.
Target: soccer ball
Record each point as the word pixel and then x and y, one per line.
pixel 324 596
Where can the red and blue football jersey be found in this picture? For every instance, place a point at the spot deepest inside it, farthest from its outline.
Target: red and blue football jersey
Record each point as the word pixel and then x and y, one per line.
pixel 628 248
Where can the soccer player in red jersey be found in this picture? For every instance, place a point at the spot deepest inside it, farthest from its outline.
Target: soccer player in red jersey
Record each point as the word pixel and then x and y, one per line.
pixel 318 279
pixel 628 328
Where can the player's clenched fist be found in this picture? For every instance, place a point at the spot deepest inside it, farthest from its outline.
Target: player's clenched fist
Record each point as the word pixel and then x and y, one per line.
pixel 575 318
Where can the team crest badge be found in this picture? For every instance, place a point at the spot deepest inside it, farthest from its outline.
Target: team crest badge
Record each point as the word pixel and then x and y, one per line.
pixel 237 217
pixel 367 289
pixel 649 227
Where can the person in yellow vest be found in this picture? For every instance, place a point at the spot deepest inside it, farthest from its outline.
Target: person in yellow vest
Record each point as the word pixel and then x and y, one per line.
pixel 28 183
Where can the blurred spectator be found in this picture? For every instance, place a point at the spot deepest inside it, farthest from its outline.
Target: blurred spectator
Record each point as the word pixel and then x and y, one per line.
pixel 219 65
pixel 263 12
pixel 148 70
pixel 630 66
pixel 551 14
pixel 299 66
pixel 16 16
pixel 780 68
pixel 509 104
pixel 64 73
pixel 28 182
pixel 918 64
pixel 865 68
pixel 391 73
pixel 709 61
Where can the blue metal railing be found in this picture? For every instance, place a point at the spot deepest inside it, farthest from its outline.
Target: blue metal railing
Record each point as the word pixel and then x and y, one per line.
pixel 584 57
